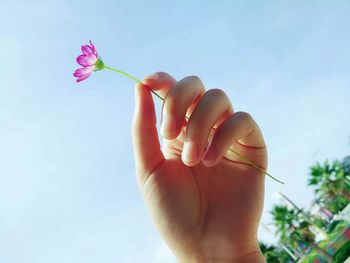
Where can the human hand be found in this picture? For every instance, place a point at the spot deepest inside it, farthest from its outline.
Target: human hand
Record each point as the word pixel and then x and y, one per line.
pixel 207 209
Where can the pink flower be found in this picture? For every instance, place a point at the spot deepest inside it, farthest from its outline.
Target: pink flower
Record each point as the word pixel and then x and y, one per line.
pixel 89 60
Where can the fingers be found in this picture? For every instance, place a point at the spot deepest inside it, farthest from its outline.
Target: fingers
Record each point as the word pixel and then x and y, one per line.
pixel 177 102
pixel 161 82
pixel 147 150
pixel 207 110
pixel 146 145
pixel 211 107
pixel 239 127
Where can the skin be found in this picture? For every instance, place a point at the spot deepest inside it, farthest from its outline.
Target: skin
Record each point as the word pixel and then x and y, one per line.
pixel 207 209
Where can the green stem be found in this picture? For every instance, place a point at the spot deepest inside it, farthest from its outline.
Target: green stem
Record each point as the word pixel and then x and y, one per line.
pixel 160 97
pixel 131 77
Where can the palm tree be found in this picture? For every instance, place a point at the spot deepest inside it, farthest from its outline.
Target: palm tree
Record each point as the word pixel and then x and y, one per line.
pixel 332 184
pixel 284 220
pixel 266 248
pixel 294 230
pixel 291 227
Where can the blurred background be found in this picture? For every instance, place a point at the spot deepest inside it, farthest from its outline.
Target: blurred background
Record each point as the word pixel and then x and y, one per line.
pixel 67 184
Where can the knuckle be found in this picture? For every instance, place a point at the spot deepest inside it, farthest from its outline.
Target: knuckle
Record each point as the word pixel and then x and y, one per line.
pixel 194 77
pixel 191 79
pixel 161 76
pixel 189 84
pixel 181 91
pixel 244 115
pixel 160 73
pixel 217 93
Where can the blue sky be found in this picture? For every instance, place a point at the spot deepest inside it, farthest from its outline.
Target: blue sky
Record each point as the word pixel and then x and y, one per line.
pixel 67 186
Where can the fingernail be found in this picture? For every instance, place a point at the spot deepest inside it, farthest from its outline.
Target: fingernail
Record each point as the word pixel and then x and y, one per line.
pixel 150 80
pixel 210 156
pixel 190 153
pixel 169 123
pixel 154 76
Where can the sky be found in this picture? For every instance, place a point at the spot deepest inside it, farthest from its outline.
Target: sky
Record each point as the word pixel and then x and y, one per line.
pixel 68 191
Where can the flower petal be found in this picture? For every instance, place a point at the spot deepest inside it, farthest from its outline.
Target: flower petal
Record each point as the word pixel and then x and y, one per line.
pixel 93 48
pixel 83 71
pixel 77 73
pixel 86 50
pixel 87 60
pixel 81 60
pixel 83 77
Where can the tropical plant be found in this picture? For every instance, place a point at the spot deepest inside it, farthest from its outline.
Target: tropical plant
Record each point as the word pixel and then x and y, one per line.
pixel 343 253
pixel 346 164
pixel 285 221
pixel 291 228
pixel 274 254
pixel 319 222
pixel 331 183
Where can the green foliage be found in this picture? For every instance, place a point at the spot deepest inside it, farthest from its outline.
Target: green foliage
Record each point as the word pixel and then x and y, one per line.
pixel 311 257
pixel 333 225
pixel 277 257
pixel 274 254
pixel 266 248
pixel 336 204
pixel 334 229
pixel 340 226
pixel 346 164
pixel 343 253
pixel 291 228
pixel 319 222
pixel 285 219
pixel 331 182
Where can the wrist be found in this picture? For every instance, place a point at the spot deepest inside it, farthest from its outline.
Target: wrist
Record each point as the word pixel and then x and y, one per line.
pixel 254 257
pixel 216 254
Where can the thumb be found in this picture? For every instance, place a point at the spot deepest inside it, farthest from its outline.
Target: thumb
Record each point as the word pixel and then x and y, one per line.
pixel 147 150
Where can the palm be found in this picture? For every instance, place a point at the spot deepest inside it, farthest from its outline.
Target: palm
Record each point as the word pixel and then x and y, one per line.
pixel 201 203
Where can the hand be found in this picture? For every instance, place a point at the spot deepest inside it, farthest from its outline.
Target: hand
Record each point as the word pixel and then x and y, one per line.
pixel 204 200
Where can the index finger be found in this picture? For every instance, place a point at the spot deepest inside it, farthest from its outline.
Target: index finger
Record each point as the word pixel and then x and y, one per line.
pixel 161 82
